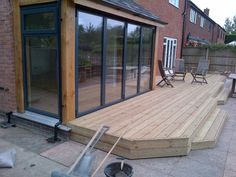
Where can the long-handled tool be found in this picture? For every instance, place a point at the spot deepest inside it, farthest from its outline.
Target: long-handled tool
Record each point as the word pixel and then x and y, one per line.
pixel 82 166
pixel 117 141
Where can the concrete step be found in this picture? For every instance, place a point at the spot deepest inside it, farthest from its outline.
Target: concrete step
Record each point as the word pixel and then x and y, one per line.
pixel 208 135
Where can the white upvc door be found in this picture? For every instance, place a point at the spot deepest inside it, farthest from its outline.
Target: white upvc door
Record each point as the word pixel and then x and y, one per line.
pixel 169 52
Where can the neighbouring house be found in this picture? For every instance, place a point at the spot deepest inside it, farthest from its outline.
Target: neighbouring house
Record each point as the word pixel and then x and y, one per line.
pixel 64 59
pixel 170 37
pixel 219 35
pixel 199 28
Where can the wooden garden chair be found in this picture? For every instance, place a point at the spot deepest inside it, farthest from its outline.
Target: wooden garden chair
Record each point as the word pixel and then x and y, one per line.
pixel 199 76
pixel 179 69
pixel 165 77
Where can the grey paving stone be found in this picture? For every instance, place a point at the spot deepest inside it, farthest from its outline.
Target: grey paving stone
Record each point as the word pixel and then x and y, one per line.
pixel 36 166
pixel 210 156
pixel 229 173
pixel 26 139
pixel 164 165
pixel 191 168
pixel 231 162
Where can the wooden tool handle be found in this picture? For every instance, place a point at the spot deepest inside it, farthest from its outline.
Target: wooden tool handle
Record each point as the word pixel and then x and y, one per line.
pixel 85 149
pixel 100 165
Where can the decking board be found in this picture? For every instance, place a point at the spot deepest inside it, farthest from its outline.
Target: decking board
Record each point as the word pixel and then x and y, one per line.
pixel 209 134
pixel 160 123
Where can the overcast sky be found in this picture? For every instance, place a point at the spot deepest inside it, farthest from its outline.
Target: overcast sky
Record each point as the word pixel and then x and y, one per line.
pixel 219 9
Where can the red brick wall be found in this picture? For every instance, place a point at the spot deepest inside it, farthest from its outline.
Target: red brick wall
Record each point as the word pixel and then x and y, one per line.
pixel 7 63
pixel 170 14
pixel 203 33
pixel 219 35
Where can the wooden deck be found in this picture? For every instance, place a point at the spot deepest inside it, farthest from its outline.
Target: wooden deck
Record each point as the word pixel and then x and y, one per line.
pixel 164 122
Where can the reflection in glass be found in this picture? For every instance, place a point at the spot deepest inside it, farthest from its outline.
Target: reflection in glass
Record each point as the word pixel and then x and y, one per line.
pixel 146 56
pixel 114 54
pixel 89 61
pixel 41 65
pixel 40 21
pixel 133 38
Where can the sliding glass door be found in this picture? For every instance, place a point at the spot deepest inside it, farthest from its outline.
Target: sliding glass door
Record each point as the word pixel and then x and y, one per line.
pixel 113 60
pixel 146 58
pixel 132 60
pixel 41 59
pixel 89 61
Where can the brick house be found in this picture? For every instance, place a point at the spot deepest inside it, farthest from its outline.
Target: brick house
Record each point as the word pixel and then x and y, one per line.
pixel 170 36
pixel 200 28
pixel 45 68
pixel 7 60
pixel 49 68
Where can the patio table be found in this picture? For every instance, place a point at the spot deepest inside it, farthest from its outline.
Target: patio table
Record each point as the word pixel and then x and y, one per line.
pixel 233 76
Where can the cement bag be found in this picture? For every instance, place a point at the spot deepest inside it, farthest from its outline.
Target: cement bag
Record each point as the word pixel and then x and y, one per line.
pixel 7 158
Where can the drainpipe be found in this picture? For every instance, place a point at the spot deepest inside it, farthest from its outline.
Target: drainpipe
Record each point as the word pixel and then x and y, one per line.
pixel 184 25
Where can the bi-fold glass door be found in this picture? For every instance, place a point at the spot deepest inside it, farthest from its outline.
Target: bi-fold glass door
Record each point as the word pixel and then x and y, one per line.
pixel 113 60
pixel 40 39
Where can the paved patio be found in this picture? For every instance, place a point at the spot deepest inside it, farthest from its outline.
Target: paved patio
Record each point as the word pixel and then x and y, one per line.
pixel 36 158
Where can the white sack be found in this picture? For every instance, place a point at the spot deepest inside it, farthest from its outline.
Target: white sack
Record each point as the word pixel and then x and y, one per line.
pixel 8 158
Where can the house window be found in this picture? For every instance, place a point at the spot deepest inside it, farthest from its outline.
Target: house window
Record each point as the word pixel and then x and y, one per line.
pixel 174 2
pixel 193 16
pixel 169 51
pixel 202 22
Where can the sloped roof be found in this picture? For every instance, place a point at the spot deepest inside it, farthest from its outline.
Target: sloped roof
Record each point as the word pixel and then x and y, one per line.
pixel 132 6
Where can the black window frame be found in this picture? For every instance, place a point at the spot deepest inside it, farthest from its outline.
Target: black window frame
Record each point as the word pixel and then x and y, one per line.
pixel 33 9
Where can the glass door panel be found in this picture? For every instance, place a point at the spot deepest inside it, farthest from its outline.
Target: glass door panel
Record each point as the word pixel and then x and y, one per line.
pixel 114 57
pixel 89 61
pixel 146 58
pixel 40 21
pixel 131 80
pixel 41 73
pixel 41 60
pixel 169 52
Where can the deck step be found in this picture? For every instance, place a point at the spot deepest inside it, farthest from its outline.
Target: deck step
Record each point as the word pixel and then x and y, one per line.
pixel 208 135
pixel 198 118
pixel 224 94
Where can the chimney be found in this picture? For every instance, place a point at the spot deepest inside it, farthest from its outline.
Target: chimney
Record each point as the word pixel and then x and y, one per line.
pixel 206 11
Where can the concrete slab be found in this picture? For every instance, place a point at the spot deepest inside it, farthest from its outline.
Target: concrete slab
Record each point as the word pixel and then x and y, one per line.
pixel 36 166
pixel 27 139
pixel 188 167
pixel 163 165
pixel 65 153
pixel 229 173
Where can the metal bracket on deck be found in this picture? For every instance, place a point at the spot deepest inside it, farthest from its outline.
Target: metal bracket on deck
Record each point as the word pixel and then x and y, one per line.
pixel 55 138
pixel 8 123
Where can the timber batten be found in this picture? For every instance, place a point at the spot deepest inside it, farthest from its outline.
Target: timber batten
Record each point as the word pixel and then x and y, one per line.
pixel 18 56
pixel 68 60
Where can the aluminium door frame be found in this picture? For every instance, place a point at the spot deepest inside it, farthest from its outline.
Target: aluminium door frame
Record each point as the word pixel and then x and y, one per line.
pixel 106 16
pixel 40 8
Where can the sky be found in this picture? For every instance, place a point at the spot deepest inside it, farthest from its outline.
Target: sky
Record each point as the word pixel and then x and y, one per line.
pixel 219 9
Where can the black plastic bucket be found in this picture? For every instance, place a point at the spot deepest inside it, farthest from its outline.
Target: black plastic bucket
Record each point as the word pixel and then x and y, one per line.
pixel 112 169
